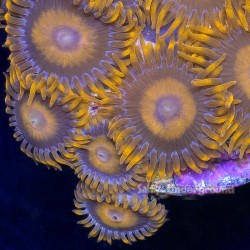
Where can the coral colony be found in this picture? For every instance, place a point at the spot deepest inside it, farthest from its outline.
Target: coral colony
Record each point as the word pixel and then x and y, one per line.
pixel 135 97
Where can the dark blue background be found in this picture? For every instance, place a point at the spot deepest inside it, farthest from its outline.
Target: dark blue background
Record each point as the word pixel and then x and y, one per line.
pixel 36 205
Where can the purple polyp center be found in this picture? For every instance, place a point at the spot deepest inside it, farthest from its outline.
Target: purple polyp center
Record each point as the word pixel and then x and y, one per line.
pixel 167 108
pixel 103 154
pixel 66 38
